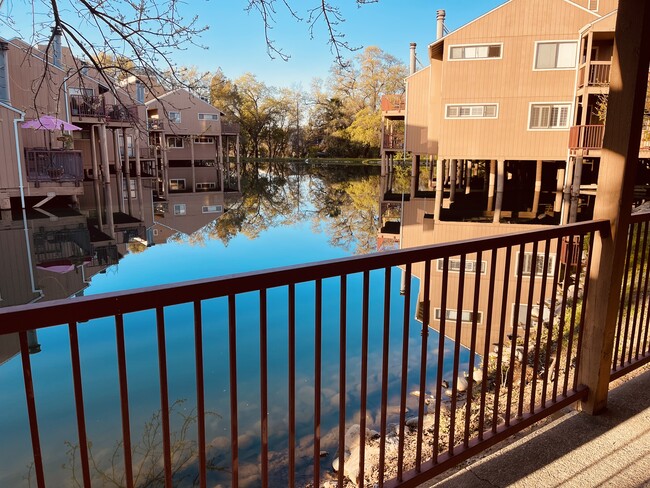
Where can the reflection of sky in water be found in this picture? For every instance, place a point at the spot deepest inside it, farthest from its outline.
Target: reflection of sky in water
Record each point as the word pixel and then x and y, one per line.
pixel 278 246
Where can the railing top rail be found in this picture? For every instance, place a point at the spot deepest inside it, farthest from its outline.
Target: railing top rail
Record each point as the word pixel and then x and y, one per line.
pixel 639 217
pixel 34 316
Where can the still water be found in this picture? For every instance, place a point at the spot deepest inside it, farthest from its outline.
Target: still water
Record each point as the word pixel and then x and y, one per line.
pixel 284 216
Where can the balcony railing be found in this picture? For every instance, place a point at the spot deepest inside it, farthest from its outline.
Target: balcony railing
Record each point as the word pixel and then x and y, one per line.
pixel 393 103
pixel 53 165
pixel 230 127
pixel 393 141
pixel 586 137
pixel 632 342
pixel 599 72
pixel 532 371
pixel 155 124
pixel 95 106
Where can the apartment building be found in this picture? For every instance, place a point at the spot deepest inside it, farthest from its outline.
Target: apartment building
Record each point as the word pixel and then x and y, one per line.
pixel 502 135
pixel 198 148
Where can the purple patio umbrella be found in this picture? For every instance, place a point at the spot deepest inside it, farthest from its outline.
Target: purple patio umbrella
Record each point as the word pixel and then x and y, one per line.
pixel 49 122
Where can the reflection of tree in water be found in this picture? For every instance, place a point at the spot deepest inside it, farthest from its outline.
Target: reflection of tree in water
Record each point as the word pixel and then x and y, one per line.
pixel 277 194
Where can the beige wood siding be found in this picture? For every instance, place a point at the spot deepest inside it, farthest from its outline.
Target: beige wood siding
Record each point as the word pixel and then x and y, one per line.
pixel 9 180
pixel 189 106
pixel 417 88
pixel 510 82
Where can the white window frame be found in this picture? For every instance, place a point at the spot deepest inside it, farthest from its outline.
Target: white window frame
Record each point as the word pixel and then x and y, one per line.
pixel 209 185
pixel 561 41
pixel 528 255
pixel 451 316
pixel 132 193
pixel 180 209
pixel 156 232
pixel 591 7
pixel 454 265
pixel 202 116
pixel 208 139
pixel 177 183
pixel 175 138
pixel 81 91
pixel 569 117
pixel 173 119
pixel 470 107
pixel 129 143
pixel 212 209
pixel 488 44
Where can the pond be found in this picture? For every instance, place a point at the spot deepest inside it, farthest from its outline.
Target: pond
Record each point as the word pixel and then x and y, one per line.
pixel 285 215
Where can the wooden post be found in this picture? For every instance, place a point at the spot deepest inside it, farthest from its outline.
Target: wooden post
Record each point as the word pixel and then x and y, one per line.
pixel 492 181
pixel 468 177
pixel 501 169
pixel 237 162
pixel 221 168
pixel 138 172
pixel 415 174
pixel 538 186
pixel 566 191
pixel 557 205
pixel 627 90
pixel 575 190
pixel 96 187
pixel 453 174
pixel 192 164
pixel 440 187
pixel 108 195
pixel 127 170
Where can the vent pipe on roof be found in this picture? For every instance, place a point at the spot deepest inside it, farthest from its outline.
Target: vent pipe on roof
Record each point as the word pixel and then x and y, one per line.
pixel 4 72
pixel 440 24
pixel 56 47
pixel 412 70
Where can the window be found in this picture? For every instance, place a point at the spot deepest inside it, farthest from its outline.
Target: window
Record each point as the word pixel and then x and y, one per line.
pixel 539 264
pixel 204 140
pixel 156 232
pixel 175 117
pixel 177 184
pixel 139 92
pixel 206 186
pixel 478 51
pixel 208 116
pixel 129 143
pixel 212 209
pixel 549 116
pixel 175 142
pixel 454 265
pixel 86 92
pixel 180 209
pixel 467 316
pixel 132 193
pixel 555 55
pixel 488 111
pixel 593 4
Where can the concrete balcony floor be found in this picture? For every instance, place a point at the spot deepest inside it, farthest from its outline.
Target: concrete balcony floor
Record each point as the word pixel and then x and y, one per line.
pixel 572 449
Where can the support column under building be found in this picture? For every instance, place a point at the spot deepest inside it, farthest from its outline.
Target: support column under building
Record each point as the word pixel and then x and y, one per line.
pixel 538 186
pixel 440 188
pixel 492 182
pixel 192 164
pixel 108 195
pixel 453 175
pixel 119 177
pixel 127 170
pixel 95 177
pixel 415 174
pixel 501 166
pixel 575 190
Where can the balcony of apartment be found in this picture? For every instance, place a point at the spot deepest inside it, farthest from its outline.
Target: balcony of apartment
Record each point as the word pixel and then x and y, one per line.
pixel 393 142
pixel 588 139
pixel 53 166
pixel 90 108
pixel 593 77
pixel 230 128
pixel 155 124
pixel 393 106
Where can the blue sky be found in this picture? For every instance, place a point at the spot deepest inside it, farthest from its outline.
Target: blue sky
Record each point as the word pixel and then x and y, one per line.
pixel 236 44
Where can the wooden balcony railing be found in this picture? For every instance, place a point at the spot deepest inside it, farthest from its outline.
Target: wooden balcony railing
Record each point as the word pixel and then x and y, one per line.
pixel 446 424
pixel 393 103
pixel 586 137
pixel 230 127
pixel 53 165
pixel 393 141
pixel 155 124
pixel 599 72
pixel 95 106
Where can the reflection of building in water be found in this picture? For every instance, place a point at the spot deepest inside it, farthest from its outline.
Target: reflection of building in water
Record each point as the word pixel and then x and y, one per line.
pixel 185 213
